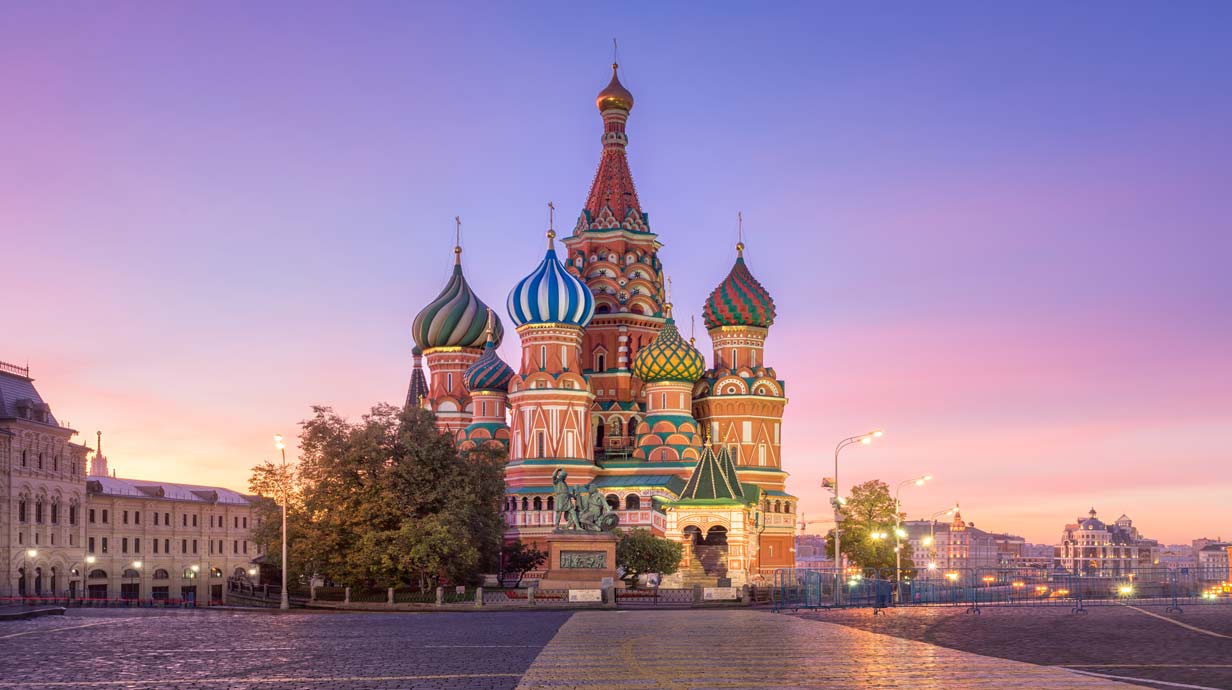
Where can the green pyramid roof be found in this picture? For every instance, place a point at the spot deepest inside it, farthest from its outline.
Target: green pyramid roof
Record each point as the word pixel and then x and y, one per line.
pixel 714 477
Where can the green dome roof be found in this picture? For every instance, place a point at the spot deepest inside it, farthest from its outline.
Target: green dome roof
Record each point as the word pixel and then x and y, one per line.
pixel 669 358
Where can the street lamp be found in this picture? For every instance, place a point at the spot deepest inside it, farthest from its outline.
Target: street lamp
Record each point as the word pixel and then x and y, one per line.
pixel 285 602
pixel 899 534
pixel 932 530
pixel 837 501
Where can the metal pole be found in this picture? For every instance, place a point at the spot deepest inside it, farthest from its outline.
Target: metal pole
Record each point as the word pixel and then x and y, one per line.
pixel 285 604
pixel 898 554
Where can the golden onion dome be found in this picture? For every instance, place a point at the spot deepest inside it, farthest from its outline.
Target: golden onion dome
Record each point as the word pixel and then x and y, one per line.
pixel 614 95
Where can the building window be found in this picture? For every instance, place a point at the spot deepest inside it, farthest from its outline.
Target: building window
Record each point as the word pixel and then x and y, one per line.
pixel 104 516
pixel 194 546
pixel 194 519
pixel 601 362
pixel 38 511
pixel 633 502
pixel 136 544
pixel 235 546
pixel 72 515
pixel 91 516
pixel 124 517
pixel 237 523
pixel 761 454
pixel 166 546
pixel 156 518
pixel 90 545
pixel 104 544
pixel 156 543
pixel 183 546
pixel 245 546
pixel 167 519
pixel 21 510
pixel 124 545
pixel 541 445
pixel 543 356
pixel 137 517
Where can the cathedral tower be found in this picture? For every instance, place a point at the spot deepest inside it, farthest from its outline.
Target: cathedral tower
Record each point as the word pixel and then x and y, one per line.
pixel 613 251
pixel 450 332
pixel 550 396
pixel 487 380
pixel 669 367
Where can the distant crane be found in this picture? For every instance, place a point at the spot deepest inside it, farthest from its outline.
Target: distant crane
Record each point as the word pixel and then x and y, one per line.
pixel 802 526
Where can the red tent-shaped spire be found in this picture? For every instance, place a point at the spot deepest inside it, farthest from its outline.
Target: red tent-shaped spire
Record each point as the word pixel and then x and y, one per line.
pixel 612 202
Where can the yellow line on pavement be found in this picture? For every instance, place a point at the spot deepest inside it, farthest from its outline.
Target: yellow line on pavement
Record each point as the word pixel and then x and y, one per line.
pixel 1183 625
pixel 1151 681
pixel 241 681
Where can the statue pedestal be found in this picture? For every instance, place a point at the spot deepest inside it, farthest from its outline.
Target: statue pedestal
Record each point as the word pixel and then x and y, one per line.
pixel 580 560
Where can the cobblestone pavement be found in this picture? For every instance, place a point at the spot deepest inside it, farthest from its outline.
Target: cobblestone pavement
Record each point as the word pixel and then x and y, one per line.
pixel 1110 640
pixel 701 649
pixel 214 650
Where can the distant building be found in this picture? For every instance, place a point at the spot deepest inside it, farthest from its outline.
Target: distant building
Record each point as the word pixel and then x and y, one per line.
pixel 1178 557
pixel 939 547
pixel 811 552
pixel 1090 546
pixel 1213 560
pixel 68 532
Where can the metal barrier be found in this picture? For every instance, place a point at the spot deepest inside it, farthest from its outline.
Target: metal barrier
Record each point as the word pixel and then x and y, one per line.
pixel 977 588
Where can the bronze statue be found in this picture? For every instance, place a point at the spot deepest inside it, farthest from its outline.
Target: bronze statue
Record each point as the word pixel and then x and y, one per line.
pixel 584 510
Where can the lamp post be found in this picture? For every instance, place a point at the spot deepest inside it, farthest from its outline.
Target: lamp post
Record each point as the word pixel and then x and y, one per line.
pixel 285 603
pixel 932 534
pixel 899 534
pixel 837 501
pixel 26 580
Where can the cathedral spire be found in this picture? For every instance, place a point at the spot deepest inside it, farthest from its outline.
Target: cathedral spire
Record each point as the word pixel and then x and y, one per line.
pixel 612 202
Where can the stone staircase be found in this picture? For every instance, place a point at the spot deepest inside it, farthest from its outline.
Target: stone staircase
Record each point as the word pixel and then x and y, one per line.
pixel 707 565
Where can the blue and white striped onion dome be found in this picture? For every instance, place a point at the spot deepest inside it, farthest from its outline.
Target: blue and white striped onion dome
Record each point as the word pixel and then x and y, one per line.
pixel 456 318
pixel 550 294
pixel 488 373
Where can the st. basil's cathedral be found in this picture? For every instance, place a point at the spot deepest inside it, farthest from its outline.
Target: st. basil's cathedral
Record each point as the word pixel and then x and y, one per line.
pixel 610 391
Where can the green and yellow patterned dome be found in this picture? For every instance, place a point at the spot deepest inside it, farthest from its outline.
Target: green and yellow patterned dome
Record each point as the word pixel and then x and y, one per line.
pixel 669 358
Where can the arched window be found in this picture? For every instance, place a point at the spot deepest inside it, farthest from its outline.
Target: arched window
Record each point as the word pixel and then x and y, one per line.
pixel 600 362
pixel 551 503
pixel 525 503
pixel 215 572
pixel 633 502
pixel 21 510
pixel 162 574
pixel 130 572
pixel 98 574
pixel 189 574
pixel 537 503
pixel 765 508
pixel 613 501
pixel 633 426
pixel 778 507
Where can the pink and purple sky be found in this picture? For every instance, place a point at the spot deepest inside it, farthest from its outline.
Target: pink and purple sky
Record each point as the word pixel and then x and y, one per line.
pixel 1002 233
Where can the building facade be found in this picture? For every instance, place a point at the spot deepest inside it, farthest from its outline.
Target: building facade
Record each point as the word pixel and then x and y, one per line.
pixel 1089 546
pixel 66 530
pixel 941 547
pixel 607 389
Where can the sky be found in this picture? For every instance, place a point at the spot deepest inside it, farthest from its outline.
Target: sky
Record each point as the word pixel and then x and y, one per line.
pixel 999 231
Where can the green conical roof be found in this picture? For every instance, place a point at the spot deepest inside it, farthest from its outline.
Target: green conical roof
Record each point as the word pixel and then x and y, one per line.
pixel 714 477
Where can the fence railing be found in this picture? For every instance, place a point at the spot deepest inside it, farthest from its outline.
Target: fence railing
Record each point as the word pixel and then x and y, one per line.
pixel 975 588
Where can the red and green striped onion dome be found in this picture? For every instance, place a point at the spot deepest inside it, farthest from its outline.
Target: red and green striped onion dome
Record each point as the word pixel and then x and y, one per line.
pixel 739 300
pixel 488 373
pixel 456 318
pixel 669 358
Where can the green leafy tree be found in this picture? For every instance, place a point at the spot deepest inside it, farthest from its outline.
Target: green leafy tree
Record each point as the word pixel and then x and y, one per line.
pixel 517 559
pixel 640 552
pixel 867 521
pixel 389 500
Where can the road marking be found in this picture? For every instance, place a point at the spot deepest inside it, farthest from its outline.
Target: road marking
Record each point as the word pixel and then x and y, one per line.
pixel 1183 625
pixel 1144 665
pixel 70 627
pixel 237 681
pixel 1151 681
pixel 482 646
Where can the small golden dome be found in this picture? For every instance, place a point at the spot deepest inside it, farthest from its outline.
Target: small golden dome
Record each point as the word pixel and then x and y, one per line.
pixel 614 95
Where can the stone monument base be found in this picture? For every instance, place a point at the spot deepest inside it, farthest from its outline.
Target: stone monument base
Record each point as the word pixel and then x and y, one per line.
pixel 580 560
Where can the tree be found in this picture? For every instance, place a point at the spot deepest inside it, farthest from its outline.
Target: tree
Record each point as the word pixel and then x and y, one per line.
pixel 389 500
pixel 867 521
pixel 640 552
pixel 518 559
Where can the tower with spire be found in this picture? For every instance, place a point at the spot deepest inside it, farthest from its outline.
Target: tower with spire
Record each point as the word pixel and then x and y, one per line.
pixel 614 252
pixel 451 333
pixel 487 380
